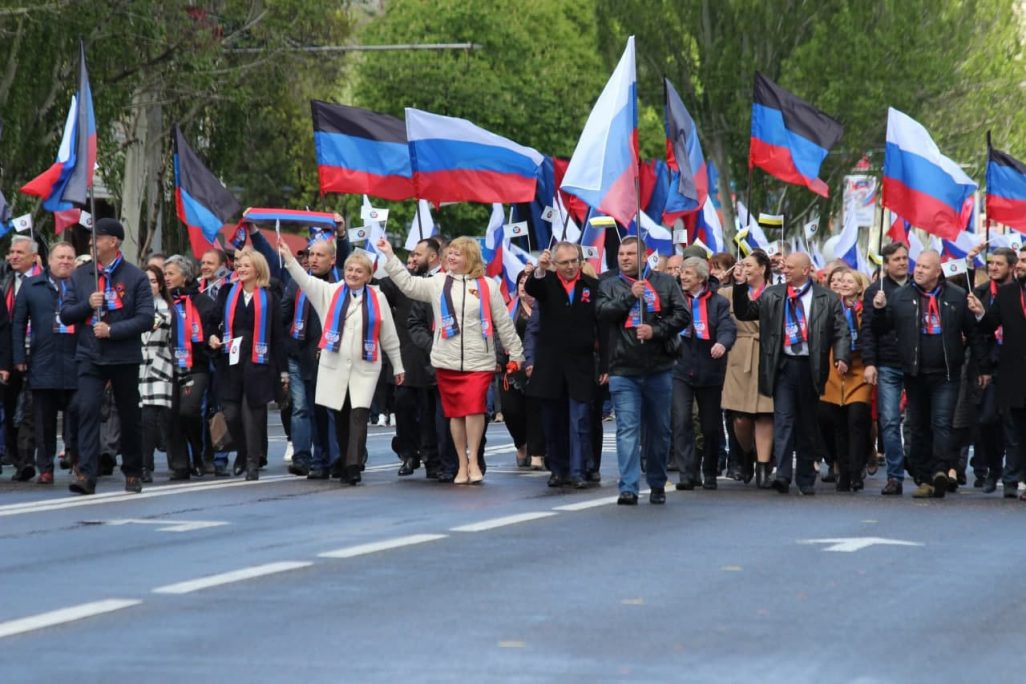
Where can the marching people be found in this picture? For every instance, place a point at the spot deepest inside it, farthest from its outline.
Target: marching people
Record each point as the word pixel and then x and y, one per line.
pixel 932 325
pixel 751 410
pixel 646 316
pixel 564 378
pixel 156 373
pixel 111 306
pixel 44 351
pixel 188 451
pixel 357 331
pixel 845 416
pixel 251 363
pixel 699 375
pixel 800 323
pixel 23 260
pixel 468 313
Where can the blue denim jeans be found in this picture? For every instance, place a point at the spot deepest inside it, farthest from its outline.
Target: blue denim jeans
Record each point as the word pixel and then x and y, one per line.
pixel 302 417
pixel 889 383
pixel 642 400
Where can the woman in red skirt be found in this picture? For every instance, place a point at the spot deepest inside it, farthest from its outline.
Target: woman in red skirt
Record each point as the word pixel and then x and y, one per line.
pixel 468 313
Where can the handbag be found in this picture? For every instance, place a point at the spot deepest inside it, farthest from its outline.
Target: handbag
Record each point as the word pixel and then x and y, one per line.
pixel 220 437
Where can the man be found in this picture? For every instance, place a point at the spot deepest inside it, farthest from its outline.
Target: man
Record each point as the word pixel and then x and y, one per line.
pixel 415 436
pixel 156 259
pixel 563 376
pixel 883 364
pixel 23 260
pixel 645 316
pixel 931 320
pixel 214 272
pixel 111 306
pixel 49 361
pixel 310 454
pixel 799 323
pixel 993 431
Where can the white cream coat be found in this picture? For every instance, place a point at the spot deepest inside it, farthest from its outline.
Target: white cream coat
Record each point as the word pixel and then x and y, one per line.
pixel 346 369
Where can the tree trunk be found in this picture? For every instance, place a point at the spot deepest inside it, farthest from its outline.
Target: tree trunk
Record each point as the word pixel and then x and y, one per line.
pixel 141 189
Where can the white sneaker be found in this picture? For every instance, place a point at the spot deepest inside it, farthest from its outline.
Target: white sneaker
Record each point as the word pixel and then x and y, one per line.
pixel 288 452
pixel 382 420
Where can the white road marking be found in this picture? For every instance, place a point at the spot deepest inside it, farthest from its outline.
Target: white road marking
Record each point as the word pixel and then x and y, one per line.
pixel 63 615
pixel 117 497
pixel 231 577
pixel 165 525
pixel 502 522
pixel 585 505
pixel 853 544
pixel 374 547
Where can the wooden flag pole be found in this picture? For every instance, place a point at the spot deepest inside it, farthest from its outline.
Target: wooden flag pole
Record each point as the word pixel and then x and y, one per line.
pixel 420 222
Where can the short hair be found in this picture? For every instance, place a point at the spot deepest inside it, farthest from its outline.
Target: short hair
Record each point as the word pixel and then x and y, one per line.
pixel 263 271
pixel 723 260
pixel 471 251
pixel 33 246
pixel 890 248
pixel 156 255
pixel 183 264
pixel 221 256
pixel 61 244
pixel 362 259
pixel 1008 253
pixel 432 244
pixel 633 239
pixel 699 266
pixel 320 241
pixel 564 244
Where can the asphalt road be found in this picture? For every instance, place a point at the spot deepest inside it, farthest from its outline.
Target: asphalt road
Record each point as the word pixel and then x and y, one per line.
pixel 286 580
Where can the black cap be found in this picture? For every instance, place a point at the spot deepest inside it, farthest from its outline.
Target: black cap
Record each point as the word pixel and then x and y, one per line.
pixel 109 226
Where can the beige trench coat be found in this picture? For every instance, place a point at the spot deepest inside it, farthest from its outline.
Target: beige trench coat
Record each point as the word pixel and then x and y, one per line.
pixel 741 385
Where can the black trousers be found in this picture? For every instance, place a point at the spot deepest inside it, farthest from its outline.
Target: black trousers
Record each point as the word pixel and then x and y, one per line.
pixel 846 433
pixel 989 430
pixel 523 418
pixel 795 425
pixel 20 453
pixel 124 381
pixel 154 431
pixel 350 432
pixel 45 405
pixel 710 418
pixel 415 423
pixel 931 407
pixel 248 427
pixel 186 426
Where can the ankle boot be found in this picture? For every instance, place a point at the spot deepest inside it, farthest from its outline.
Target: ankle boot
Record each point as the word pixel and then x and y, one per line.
pixel 747 466
pixel 762 475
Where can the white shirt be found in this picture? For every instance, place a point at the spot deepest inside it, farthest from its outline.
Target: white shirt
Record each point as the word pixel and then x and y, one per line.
pixel 807 304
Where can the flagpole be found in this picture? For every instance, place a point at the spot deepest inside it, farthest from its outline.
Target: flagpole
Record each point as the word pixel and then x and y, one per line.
pixel 420 222
pixel 566 221
pixel 748 207
pixel 987 248
pixel 879 241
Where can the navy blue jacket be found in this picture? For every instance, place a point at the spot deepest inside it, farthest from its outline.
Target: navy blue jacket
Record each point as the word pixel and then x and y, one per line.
pixel 127 324
pixel 696 366
pixel 51 355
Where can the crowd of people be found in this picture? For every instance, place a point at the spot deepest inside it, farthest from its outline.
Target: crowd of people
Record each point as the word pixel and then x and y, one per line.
pixel 761 369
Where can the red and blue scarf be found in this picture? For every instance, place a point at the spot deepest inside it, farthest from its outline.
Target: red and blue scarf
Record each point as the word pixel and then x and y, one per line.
pixel 450 327
pixel 188 330
pixel 59 327
pixel 796 326
pixel 331 337
pixel 111 298
pixel 261 312
pixel 999 334
pixel 699 305
pixel 931 318
pixel 652 302
pixel 852 315
pixel 34 271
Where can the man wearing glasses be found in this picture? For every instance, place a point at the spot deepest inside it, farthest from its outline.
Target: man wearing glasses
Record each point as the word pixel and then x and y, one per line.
pixel 564 375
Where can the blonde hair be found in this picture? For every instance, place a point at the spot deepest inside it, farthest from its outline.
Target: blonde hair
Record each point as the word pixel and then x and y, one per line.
pixel 259 263
pixel 471 251
pixel 363 260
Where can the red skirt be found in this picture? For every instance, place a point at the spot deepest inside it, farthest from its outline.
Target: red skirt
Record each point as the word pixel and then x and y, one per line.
pixel 463 393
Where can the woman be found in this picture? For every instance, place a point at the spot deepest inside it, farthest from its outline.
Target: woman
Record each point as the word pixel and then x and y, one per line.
pixel 522 415
pixel 753 412
pixel 844 408
pixel 155 373
pixel 190 322
pixel 468 311
pixel 698 377
pixel 251 365
pixel 356 327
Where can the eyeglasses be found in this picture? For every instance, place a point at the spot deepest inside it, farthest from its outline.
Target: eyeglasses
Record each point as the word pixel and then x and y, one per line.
pixel 567 262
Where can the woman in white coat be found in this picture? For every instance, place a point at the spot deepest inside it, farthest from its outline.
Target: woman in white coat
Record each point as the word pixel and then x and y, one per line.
pixel 357 327
pixel 468 314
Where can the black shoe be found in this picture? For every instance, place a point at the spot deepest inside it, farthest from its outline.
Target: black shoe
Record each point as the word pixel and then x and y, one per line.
pixel 1011 491
pixel 220 470
pixel 843 483
pixel 579 483
pixel 133 485
pixel 180 475
pixel 353 475
pixel 734 472
pixel 686 484
pixel 409 466
pixel 952 484
pixel 657 495
pixel 940 485
pixel 762 475
pixel 252 474
pixel 65 461
pixel 446 478
pixel 557 480
pixel 107 464
pixel 990 486
pixel 960 476
pixel 147 476
pixel 318 474
pixel 892 488
pixel 710 483
pixel 196 471
pixel 24 474
pixel 239 466
pixel 807 490
pixel 980 481
pixel 627 499
pixel 747 467
pixel 299 469
pixel 593 476
pixel 781 485
pixel 80 484
pixel 857 484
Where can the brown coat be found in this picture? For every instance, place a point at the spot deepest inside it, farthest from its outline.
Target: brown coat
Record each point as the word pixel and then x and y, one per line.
pixel 741 384
pixel 850 388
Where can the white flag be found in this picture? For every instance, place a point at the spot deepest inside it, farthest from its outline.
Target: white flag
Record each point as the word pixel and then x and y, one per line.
pixel 954 267
pixel 23 223
pixel 359 234
pixel 515 230
pixel 422 224
pixel 680 237
pixel 811 228
pixel 548 214
pixel 85 219
pixel 369 214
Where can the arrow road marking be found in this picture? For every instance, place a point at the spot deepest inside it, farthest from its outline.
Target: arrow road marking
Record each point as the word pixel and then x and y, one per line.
pixel 852 544
pixel 168 525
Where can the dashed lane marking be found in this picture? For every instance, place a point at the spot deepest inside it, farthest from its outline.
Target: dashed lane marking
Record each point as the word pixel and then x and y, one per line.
pixel 384 545
pixel 63 615
pixel 502 522
pixel 231 577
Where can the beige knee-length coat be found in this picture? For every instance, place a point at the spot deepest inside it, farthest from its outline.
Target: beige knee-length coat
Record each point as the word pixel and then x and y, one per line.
pixel 741 384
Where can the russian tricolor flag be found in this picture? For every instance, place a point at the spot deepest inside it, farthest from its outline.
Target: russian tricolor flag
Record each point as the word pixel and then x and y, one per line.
pixel 1006 189
pixel 683 154
pixel 708 227
pixel 603 171
pixel 455 161
pixel 361 152
pixel 790 137
pixel 66 184
pixel 920 183
pixel 202 203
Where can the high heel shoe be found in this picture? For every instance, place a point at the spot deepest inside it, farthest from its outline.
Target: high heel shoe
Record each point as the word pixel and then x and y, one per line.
pixel 461 479
pixel 762 475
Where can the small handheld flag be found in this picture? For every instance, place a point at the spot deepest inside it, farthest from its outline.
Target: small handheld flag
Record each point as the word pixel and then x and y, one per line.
pixel 372 214
pixel 23 223
pixel 359 234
